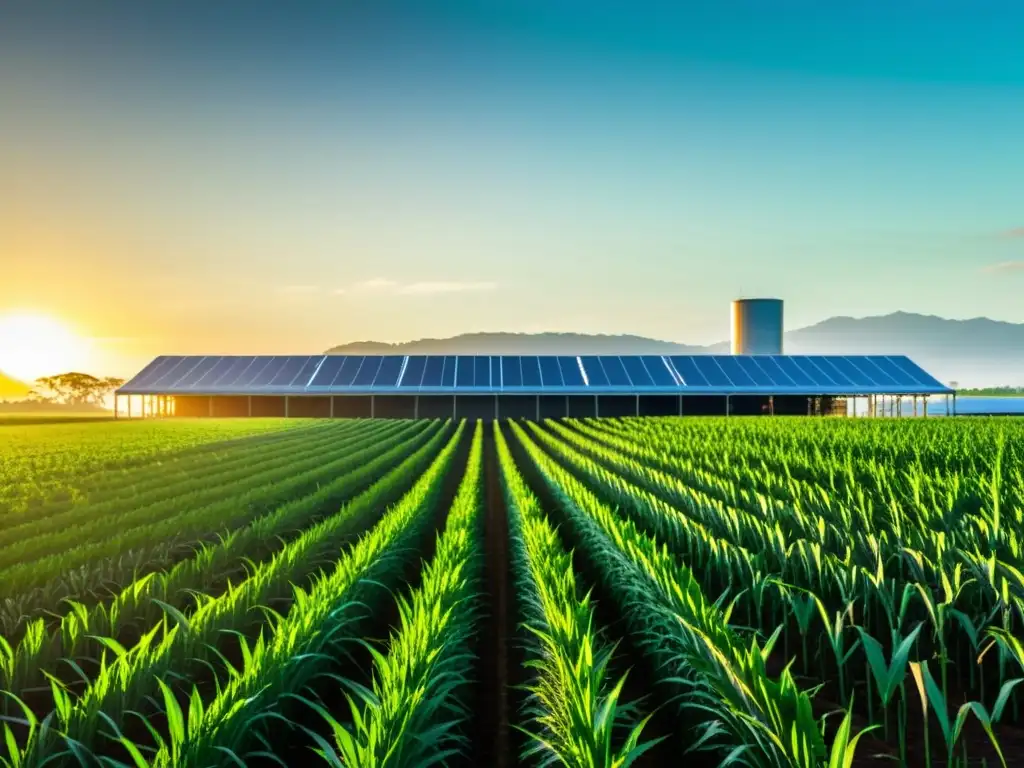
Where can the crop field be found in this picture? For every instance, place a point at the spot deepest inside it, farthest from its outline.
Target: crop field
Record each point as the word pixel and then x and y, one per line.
pixel 586 593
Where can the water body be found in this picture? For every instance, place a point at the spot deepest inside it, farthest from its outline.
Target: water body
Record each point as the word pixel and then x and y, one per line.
pixel 968 405
pixel 965 406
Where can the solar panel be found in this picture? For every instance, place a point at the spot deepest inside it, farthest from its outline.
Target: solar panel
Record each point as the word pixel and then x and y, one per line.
pixel 433 371
pixel 305 374
pixel 637 372
pixel 914 371
pixel 819 378
pixel 753 371
pixel 288 372
pixel 390 370
pixel 511 372
pixel 770 365
pixel 448 377
pixel 196 373
pixel 732 369
pixel 482 371
pixel 346 375
pixel 825 365
pixel 328 370
pixel 711 371
pixel 465 371
pixel 268 372
pixel 797 374
pixel 531 371
pixel 892 372
pixel 233 370
pixel 365 374
pixel 617 376
pixel 149 372
pixel 658 370
pixel 252 372
pixel 222 366
pixel 688 371
pixel 855 374
pixel 413 374
pixel 596 377
pixel 174 372
pixel 572 376
pixel 550 374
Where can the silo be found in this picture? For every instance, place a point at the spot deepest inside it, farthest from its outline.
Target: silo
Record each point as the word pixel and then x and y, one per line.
pixel 757 327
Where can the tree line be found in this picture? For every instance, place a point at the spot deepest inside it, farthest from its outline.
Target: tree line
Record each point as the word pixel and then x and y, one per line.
pixel 74 389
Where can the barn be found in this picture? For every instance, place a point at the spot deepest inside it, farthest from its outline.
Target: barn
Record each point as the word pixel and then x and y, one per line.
pixel 519 386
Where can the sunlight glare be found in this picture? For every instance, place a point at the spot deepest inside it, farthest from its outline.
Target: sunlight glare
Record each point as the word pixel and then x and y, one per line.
pixel 34 345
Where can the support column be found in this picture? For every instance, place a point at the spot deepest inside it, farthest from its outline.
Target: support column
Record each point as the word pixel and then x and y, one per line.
pixel 637 405
pixel 249 405
pixel 728 405
pixel 209 408
pixel 597 406
pixel 116 399
pixel 538 408
pixel 453 407
pixel 496 407
pixel 415 406
pixel 373 406
pixel 680 405
pixel 771 405
pixel 954 403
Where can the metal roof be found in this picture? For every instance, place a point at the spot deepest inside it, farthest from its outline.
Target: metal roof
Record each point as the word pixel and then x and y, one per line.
pixel 534 374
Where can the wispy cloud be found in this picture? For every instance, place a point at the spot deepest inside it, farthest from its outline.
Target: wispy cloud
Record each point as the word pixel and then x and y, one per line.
pixel 1006 266
pixel 445 287
pixel 1014 233
pixel 376 284
pixel 421 288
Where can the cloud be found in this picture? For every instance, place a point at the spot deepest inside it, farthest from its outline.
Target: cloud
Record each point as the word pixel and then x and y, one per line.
pixel 376 284
pixel 445 287
pixel 1006 266
pixel 421 288
pixel 1014 233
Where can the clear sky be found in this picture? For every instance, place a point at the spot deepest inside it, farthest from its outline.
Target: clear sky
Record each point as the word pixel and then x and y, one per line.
pixel 246 177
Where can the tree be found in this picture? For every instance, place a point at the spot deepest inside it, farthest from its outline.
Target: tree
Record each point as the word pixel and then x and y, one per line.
pixel 77 388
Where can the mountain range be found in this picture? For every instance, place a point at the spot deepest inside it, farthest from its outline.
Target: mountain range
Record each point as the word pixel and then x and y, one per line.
pixel 974 353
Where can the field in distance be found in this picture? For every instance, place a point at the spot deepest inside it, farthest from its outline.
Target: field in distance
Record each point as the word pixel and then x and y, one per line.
pixel 649 592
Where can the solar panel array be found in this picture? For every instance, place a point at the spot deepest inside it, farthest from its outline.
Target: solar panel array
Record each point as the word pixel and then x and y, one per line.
pixel 534 374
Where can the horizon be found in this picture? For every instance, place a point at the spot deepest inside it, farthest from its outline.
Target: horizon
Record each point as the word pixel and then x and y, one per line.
pixel 249 178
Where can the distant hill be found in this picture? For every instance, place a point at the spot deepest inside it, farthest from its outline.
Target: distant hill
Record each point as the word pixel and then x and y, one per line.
pixel 12 389
pixel 520 344
pixel 976 352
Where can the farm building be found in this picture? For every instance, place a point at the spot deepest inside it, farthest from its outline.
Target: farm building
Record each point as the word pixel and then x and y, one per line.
pixel 427 386
pixel 756 379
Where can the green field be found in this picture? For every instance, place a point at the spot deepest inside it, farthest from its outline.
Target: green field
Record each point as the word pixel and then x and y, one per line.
pixel 652 592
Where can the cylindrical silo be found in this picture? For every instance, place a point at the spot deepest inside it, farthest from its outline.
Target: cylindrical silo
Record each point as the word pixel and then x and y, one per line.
pixel 757 327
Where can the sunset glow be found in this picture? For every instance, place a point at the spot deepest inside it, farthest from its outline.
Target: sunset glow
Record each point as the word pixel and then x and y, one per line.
pixel 34 345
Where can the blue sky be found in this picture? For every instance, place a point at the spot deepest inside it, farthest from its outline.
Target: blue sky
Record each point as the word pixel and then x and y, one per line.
pixel 259 177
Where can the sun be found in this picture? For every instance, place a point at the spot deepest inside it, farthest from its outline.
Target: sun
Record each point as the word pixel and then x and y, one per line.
pixel 34 345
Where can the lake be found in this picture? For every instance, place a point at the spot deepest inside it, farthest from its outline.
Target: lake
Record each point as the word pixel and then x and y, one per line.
pixel 966 405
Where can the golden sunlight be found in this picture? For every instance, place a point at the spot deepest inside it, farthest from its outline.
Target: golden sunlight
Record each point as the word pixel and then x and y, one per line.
pixel 34 345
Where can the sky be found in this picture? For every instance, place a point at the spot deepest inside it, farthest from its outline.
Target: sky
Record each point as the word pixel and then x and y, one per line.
pixel 258 177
